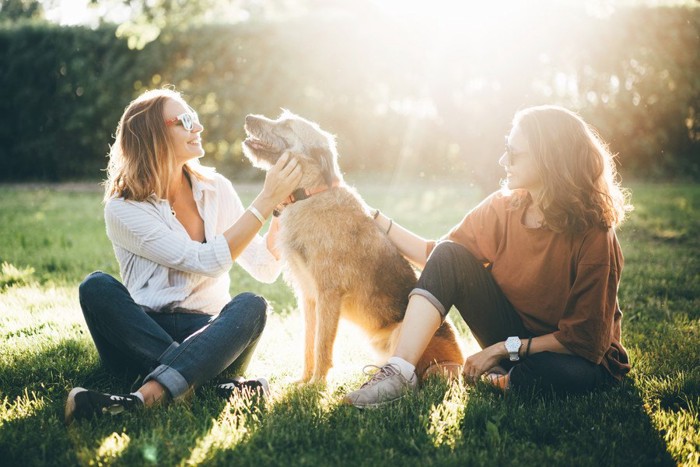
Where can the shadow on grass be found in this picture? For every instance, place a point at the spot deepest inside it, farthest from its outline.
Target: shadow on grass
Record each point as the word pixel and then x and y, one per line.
pixel 34 388
pixel 444 424
pixel 32 430
pixel 453 425
pixel 605 427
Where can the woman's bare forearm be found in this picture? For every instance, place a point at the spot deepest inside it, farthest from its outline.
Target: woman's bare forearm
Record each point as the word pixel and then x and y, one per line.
pixel 412 246
pixel 240 234
pixel 279 182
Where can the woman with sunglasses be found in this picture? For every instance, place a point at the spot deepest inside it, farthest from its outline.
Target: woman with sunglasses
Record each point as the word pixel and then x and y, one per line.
pixel 533 270
pixel 176 228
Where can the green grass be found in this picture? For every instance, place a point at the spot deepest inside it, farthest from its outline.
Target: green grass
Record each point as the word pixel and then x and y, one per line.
pixel 50 238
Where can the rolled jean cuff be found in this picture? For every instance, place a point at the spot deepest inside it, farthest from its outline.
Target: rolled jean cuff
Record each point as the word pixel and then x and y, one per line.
pixel 431 298
pixel 168 377
pixel 171 380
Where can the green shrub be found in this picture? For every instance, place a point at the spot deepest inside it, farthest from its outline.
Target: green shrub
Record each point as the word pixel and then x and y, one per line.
pixel 365 79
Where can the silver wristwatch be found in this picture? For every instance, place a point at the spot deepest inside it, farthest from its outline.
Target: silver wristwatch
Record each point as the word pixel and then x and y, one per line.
pixel 513 348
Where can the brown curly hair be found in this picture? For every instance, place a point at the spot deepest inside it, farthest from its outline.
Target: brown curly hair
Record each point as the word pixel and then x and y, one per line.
pixel 581 185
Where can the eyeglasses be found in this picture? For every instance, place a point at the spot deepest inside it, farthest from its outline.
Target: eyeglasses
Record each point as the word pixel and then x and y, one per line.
pixel 187 120
pixel 510 154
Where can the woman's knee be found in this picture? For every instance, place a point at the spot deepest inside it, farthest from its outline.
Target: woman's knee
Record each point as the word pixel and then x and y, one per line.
pixel 255 303
pixel 253 307
pixel 449 265
pixel 449 249
pixel 95 285
pixel 453 255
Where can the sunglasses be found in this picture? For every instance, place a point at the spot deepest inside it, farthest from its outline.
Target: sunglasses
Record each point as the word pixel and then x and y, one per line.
pixel 187 120
pixel 510 154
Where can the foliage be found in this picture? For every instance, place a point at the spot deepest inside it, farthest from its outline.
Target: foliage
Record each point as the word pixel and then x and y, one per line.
pixel 45 349
pixel 62 92
pixel 14 10
pixel 10 275
pixel 401 95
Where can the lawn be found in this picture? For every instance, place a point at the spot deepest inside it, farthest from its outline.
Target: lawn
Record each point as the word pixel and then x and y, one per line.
pixel 51 237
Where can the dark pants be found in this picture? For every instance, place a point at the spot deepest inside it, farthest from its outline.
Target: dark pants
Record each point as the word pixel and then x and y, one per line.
pixel 179 350
pixel 453 277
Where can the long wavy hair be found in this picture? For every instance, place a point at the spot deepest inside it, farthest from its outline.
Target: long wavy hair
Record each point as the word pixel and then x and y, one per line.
pixel 581 186
pixel 141 159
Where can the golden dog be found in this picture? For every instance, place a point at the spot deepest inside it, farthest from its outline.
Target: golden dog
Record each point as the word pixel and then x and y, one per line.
pixel 339 262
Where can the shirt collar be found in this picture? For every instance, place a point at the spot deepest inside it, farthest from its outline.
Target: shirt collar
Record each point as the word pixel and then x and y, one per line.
pixel 199 186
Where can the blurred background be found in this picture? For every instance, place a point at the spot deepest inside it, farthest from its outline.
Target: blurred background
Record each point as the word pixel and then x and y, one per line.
pixel 411 88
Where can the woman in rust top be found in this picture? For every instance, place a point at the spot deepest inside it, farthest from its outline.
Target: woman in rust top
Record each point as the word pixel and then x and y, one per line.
pixel 533 269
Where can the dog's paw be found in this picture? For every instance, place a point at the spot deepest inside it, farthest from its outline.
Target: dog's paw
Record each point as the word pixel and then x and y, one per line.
pixel 309 382
pixel 318 381
pixel 449 370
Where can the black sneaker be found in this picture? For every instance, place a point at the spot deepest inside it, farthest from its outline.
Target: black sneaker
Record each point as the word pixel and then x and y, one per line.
pixel 83 403
pixel 239 385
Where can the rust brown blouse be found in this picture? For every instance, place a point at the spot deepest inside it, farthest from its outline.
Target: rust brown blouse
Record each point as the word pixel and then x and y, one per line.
pixel 558 283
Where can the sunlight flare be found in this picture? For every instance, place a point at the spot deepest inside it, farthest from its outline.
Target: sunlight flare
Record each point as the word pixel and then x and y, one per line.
pixel 112 447
pixel 24 406
pixel 228 430
pixel 444 425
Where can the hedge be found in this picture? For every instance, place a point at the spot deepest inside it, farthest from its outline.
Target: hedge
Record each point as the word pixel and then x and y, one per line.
pixel 383 93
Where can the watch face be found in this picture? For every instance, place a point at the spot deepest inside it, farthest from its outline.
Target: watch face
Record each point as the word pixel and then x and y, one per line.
pixel 513 344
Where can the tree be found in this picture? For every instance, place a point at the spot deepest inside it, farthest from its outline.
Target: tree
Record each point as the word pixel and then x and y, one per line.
pixel 13 10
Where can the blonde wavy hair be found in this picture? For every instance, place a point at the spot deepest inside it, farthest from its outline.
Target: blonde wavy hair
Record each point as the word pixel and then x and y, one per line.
pixel 581 185
pixel 140 160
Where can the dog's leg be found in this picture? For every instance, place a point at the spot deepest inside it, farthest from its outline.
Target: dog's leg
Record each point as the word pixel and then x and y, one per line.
pixel 327 318
pixel 309 309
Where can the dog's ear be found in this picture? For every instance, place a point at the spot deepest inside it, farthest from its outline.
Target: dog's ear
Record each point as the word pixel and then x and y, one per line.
pixel 325 158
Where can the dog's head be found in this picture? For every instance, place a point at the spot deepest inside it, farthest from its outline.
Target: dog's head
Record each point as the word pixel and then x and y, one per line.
pixel 268 139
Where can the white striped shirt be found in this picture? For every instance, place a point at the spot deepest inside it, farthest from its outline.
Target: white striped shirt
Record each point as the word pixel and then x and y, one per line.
pixel 162 266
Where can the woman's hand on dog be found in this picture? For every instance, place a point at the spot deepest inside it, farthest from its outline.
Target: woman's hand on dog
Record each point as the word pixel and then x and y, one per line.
pixel 282 179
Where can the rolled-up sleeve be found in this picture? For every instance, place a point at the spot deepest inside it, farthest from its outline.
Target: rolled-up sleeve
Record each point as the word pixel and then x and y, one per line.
pixel 585 328
pixel 587 325
pixel 255 259
pixel 480 230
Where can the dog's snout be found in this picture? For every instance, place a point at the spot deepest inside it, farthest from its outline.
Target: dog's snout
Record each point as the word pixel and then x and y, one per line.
pixel 257 119
pixel 257 124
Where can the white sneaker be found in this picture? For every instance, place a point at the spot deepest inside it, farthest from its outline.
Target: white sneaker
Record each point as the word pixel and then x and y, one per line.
pixel 386 385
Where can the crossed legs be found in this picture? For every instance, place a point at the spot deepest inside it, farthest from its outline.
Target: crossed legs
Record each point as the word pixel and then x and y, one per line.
pixel 176 351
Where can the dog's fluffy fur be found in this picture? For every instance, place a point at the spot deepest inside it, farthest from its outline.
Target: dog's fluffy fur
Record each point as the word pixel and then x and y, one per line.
pixel 338 261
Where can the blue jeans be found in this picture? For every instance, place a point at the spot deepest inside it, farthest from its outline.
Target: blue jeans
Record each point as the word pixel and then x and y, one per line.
pixel 180 350
pixel 453 277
